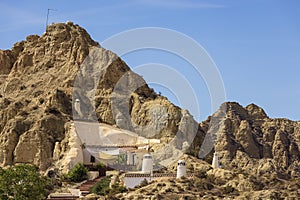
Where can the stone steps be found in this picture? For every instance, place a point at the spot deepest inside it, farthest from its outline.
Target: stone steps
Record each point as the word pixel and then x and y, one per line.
pixel 85 187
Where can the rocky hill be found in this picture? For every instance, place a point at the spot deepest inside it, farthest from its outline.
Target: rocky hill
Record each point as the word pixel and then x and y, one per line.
pixel 37 77
pixel 249 140
pixel 37 90
pixel 259 158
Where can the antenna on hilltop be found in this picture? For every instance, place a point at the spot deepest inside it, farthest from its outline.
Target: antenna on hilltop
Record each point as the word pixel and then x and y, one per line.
pixel 48 11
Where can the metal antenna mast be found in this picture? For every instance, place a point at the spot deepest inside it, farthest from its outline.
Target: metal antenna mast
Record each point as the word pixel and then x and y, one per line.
pixel 48 11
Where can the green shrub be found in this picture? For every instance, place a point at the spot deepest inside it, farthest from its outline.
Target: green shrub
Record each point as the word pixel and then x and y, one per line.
pixel 102 187
pixel 117 188
pixel 96 167
pixel 77 174
pixel 100 165
pixel 23 182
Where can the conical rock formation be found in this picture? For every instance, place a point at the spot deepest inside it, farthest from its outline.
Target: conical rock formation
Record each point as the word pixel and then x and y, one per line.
pixel 37 88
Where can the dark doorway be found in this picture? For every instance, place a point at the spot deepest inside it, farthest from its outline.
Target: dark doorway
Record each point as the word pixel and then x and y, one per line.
pixel 93 159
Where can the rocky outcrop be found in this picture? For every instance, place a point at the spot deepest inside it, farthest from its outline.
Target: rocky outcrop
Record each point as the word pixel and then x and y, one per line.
pixel 68 152
pixel 42 75
pixel 36 92
pixel 6 61
pixel 250 141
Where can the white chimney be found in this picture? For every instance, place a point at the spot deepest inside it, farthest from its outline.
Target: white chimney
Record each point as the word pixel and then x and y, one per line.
pixel 215 162
pixel 77 107
pixel 181 169
pixel 147 164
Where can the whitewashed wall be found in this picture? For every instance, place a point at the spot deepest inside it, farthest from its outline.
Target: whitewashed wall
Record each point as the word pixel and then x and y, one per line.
pixel 131 182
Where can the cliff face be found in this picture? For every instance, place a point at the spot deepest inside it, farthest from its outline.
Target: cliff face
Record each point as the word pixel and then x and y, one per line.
pixel 37 86
pixel 36 83
pixel 250 141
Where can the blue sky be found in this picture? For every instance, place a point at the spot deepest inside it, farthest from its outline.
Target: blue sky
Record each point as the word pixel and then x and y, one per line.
pixel 254 43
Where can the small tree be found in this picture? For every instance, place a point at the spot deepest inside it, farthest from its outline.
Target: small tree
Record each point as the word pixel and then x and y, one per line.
pixel 23 182
pixel 100 165
pixel 102 187
pixel 77 174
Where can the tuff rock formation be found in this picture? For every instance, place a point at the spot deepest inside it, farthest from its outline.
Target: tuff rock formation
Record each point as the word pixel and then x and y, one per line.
pixel 39 79
pixel 249 140
pixel 42 75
